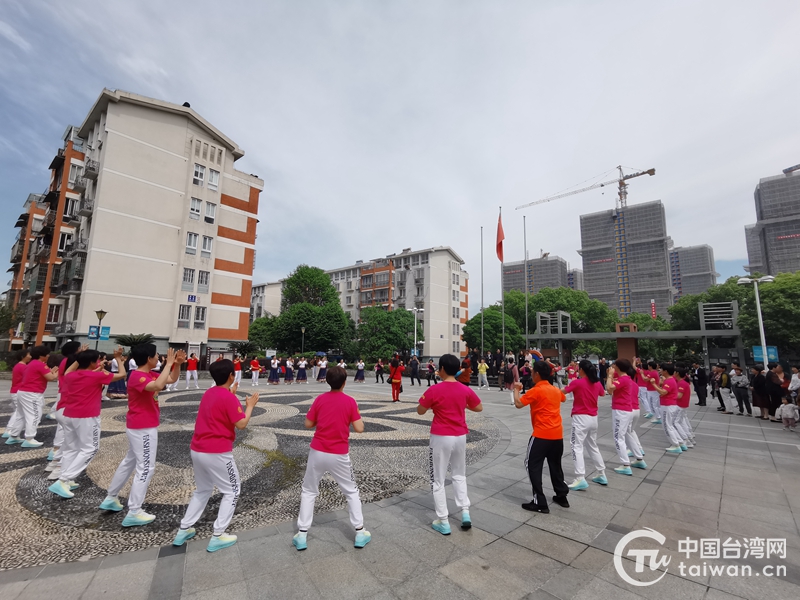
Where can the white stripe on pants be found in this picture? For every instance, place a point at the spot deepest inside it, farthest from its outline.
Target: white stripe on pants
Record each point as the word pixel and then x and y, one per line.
pixel 685 424
pixel 621 419
pixel 213 470
pixel 17 420
pixel 631 438
pixel 727 398
pixel 141 457
pixel 644 400
pixel 655 403
pixel 340 468
pixel 81 442
pixel 670 416
pixel 191 375
pixel 584 432
pixel 447 450
pixel 31 404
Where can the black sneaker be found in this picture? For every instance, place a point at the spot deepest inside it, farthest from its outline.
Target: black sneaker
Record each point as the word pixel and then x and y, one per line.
pixel 562 501
pixel 534 507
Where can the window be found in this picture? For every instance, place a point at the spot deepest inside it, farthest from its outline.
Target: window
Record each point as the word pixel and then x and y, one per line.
pixel 455 348
pixel 197 148
pixel 207 243
pixel 205 151
pixel 194 208
pixel 213 179
pixel 455 296
pixel 211 208
pixel 337 287
pixel 64 240
pixel 53 313
pixel 191 243
pixel 455 329
pixel 188 280
pixel 219 156
pixel 349 285
pixel 455 312
pixel 202 282
pixel 74 173
pixel 199 175
pixel 415 260
pixel 184 315
pixel 349 300
pixel 455 278
pixel 70 207
pixel 420 291
pixel 199 317
pixel 424 258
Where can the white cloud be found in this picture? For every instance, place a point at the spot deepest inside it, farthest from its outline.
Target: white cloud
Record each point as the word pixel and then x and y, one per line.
pixel 9 33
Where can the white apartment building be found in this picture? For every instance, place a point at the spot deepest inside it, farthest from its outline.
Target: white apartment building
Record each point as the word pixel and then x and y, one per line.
pixel 165 227
pixel 266 300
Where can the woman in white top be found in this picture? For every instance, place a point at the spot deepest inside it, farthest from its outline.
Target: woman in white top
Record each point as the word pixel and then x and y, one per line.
pixel 342 364
pixel 116 389
pixel 288 379
pixel 301 371
pixel 274 371
pixel 359 378
pixel 323 370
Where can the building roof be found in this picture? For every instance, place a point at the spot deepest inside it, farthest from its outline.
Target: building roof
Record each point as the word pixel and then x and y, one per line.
pixel 107 96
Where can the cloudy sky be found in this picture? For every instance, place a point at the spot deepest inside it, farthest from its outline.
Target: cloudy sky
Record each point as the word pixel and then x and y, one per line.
pixel 382 125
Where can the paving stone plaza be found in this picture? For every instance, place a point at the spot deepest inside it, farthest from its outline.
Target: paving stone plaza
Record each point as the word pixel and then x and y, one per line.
pixel 738 485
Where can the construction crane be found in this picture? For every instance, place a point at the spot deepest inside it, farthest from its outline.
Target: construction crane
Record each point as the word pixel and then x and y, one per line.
pixel 620 241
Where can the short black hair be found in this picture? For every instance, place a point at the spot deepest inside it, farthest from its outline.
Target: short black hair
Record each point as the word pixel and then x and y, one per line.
pixel 652 364
pixel 450 364
pixel 40 351
pixel 142 353
pixel 21 354
pixel 221 371
pixel 770 365
pixel 336 376
pixel 87 357
pixel 70 348
pixel 670 368
pixel 544 370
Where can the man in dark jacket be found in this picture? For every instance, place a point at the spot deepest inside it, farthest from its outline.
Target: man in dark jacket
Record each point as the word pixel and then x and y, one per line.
pixel 700 380
pixel 602 368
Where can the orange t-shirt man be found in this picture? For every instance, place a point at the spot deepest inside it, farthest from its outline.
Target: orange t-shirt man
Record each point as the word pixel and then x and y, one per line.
pixel 545 401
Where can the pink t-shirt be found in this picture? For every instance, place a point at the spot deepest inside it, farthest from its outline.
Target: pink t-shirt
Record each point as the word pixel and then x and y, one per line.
pixel 85 391
pixel 572 374
pixel 655 375
pixel 62 367
pixel 621 396
pixel 16 376
pixel 640 375
pixel 684 385
pixel 585 394
pixel 671 397
pixel 215 428
pixel 33 378
pixel 333 412
pixel 143 409
pixel 449 401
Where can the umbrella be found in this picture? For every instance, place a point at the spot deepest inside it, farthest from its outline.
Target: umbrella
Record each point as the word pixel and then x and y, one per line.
pixel 320 354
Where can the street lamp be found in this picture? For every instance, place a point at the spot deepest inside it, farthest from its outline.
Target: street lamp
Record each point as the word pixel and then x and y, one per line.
pixel 415 310
pixel 101 314
pixel 303 343
pixel 755 282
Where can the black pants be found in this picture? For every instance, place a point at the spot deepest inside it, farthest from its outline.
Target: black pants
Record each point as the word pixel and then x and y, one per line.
pixel 379 374
pixel 538 450
pixel 431 376
pixel 718 396
pixel 702 394
pixel 415 376
pixel 743 399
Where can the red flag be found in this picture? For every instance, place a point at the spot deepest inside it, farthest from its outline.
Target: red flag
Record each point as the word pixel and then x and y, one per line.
pixel 500 237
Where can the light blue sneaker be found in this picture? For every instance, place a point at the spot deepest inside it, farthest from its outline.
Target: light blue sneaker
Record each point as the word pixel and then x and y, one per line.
pixel 648 415
pixel 601 479
pixel 362 538
pixel 442 527
pixel 6 435
pixel 218 542
pixel 623 470
pixel 579 484
pixel 50 455
pixel 110 503
pixel 51 415
pixel 61 488
pixel 182 536
pixel 73 485
pixel 684 447
pixel 134 520
pixel 31 444
pixel 630 454
pixel 675 450
pixel 639 464
pixel 466 522
pixel 12 440
pixel 656 422
pixel 299 540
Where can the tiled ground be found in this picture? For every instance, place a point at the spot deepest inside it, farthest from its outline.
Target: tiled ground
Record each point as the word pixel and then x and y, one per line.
pixel 741 482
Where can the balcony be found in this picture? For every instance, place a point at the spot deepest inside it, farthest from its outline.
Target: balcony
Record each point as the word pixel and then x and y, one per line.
pixel 22 220
pixel 72 219
pixel 64 328
pixel 43 254
pixel 55 278
pixel 86 208
pixel 78 247
pixel 58 160
pixel 91 169
pixel 74 288
pixel 79 185
pixel 49 218
pixel 16 251
pixel 76 270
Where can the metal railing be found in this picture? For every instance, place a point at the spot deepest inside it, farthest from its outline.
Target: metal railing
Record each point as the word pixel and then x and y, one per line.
pixel 91 168
pixel 80 183
pixel 86 207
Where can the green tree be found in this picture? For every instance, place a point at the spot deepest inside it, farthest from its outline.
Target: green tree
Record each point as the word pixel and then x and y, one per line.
pixel 261 330
pixel 327 328
pixel 9 318
pixel 651 348
pixel 493 331
pixel 381 333
pixel 134 339
pixel 308 285
pixel 588 316
pixel 244 348
pixel 780 308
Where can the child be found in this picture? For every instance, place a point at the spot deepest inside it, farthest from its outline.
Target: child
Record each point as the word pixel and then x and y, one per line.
pixel 30 398
pixel 141 429
pixel 17 420
pixel 331 414
pixel 80 416
pixel 483 380
pixel 218 417
pixel 448 445
pixel 789 413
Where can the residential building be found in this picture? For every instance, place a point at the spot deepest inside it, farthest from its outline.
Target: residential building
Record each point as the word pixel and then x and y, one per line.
pixel 692 269
pixel 575 279
pixel 545 272
pixel 626 259
pixel 265 300
pixel 774 241
pixel 148 220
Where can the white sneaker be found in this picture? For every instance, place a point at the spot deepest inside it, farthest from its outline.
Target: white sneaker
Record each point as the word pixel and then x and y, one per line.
pixel 52 466
pixel 54 474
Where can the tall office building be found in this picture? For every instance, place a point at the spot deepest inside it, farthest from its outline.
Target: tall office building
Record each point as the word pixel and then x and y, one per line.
pixel 575 279
pixel 773 243
pixel 431 280
pixel 544 272
pixel 626 258
pixel 692 269
pixel 146 219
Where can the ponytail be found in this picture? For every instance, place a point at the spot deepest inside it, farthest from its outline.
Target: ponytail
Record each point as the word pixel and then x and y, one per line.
pixel 589 370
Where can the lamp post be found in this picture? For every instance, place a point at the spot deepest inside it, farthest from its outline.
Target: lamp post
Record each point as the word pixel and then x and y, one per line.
pixel 303 343
pixel 101 314
pixel 416 310
pixel 755 282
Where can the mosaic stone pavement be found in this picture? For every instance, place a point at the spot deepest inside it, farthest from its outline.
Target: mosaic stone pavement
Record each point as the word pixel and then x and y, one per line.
pixel 36 527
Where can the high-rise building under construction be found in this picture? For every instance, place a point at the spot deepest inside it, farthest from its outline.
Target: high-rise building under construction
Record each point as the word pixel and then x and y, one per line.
pixel 626 258
pixel 692 269
pixel 544 272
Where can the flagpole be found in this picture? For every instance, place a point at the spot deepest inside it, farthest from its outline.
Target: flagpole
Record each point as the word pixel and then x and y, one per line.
pixel 483 350
pixel 502 294
pixel 525 249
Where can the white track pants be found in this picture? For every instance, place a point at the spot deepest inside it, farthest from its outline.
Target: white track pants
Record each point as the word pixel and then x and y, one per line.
pixel 584 432
pixel 644 400
pixel 483 380
pixel 237 377
pixel 341 469
pixel 81 443
pixel 254 378
pixel 684 425
pixel 17 421
pixel 191 375
pixel 671 414
pixel 655 403
pixel 212 470
pixel 31 404
pixel 141 458
pixel 444 451
pixel 631 438
pixel 621 420
pixel 727 398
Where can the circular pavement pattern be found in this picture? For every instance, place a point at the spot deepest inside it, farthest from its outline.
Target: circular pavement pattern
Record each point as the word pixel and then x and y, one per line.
pixel 37 527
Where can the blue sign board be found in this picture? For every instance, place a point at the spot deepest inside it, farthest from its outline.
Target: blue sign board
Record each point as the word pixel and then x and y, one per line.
pixel 94 332
pixel 192 298
pixel 105 332
pixel 772 354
